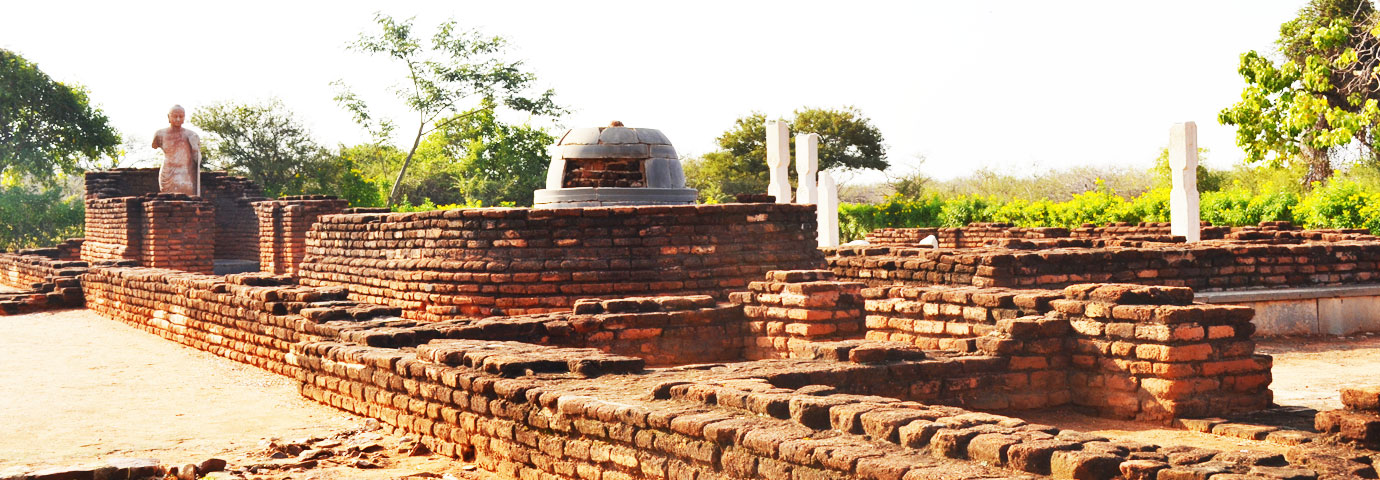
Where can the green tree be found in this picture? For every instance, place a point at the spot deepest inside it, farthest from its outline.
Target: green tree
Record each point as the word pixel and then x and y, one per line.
pixel 456 75
pixel 37 216
pixel 264 142
pixel 847 141
pixel 1320 99
pixel 1208 180
pixel 47 126
pixel 364 168
pixel 498 163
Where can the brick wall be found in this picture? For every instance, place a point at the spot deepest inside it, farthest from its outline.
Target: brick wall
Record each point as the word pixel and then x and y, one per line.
pixel 792 310
pixel 1213 265
pixel 113 229
pixel 1128 351
pixel 249 318
pixel 977 235
pixel 481 262
pixel 178 232
pixel 113 210
pixel 282 229
pixel 603 172
pixel 946 317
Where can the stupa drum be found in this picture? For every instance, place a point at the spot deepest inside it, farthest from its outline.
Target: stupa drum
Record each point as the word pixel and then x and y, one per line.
pixel 611 166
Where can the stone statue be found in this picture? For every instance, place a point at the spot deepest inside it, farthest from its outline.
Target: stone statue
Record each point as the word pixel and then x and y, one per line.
pixel 181 172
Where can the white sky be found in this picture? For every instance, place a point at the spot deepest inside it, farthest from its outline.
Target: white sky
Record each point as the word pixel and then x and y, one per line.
pixel 1009 85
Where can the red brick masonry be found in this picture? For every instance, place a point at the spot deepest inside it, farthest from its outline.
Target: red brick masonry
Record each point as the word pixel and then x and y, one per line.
pixel 471 263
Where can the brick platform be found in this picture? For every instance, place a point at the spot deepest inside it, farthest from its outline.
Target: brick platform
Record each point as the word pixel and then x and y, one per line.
pixel 479 262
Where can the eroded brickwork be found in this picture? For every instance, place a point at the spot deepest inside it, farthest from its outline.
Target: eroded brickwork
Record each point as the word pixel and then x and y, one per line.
pixel 540 395
pixel 1359 421
pixel 792 310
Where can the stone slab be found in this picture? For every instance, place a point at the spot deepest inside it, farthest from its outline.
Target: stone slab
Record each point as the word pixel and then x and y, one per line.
pixel 1330 310
pixel 1285 317
pixel 1348 315
pixel 608 196
pixel 1275 294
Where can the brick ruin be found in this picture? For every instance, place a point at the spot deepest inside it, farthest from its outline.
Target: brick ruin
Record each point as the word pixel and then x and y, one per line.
pixel 449 264
pixel 716 341
pixel 283 226
pixel 979 235
pixel 1254 257
pixel 127 220
pixel 44 278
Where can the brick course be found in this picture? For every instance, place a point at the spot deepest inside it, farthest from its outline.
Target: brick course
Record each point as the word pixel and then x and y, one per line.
pixel 1214 265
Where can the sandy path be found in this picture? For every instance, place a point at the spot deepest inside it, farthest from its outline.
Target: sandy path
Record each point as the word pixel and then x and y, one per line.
pixel 1310 372
pixel 76 387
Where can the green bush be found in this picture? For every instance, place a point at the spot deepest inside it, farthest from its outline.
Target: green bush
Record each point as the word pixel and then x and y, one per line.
pixel 856 219
pixel 1342 203
pixel 1339 204
pixel 38 217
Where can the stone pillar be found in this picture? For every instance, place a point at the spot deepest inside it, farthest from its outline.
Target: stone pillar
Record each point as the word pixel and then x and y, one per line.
pixel 779 160
pixel 1183 167
pixel 806 166
pixel 828 208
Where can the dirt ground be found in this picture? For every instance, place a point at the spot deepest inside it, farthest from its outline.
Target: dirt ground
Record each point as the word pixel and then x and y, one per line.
pixel 82 388
pixel 1309 372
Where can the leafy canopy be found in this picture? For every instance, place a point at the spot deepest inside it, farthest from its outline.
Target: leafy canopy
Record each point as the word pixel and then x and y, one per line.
pixel 847 141
pixel 262 141
pixel 498 163
pixel 456 74
pixel 1318 103
pixel 47 127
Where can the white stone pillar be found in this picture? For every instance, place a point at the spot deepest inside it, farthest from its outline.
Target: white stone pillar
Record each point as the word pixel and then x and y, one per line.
pixel 806 166
pixel 827 211
pixel 779 160
pixel 1183 167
